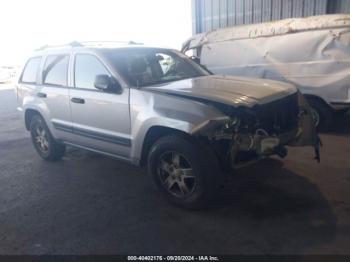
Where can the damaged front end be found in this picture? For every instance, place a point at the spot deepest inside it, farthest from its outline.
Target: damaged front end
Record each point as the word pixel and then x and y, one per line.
pixel 250 134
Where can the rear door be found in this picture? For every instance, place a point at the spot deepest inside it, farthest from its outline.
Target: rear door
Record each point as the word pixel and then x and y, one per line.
pixel 54 94
pixel 101 119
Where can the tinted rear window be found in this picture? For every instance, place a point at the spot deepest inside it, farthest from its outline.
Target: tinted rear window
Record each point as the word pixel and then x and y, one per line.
pixel 56 70
pixel 30 71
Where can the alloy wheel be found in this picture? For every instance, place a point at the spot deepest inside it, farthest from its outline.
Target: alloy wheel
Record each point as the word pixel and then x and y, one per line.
pixel 176 174
pixel 41 139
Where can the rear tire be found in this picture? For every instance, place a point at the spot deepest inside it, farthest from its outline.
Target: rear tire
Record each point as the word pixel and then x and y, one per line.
pixel 44 143
pixel 323 114
pixel 185 171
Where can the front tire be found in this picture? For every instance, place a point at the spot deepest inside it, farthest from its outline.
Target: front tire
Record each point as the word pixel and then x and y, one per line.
pixel 184 170
pixel 44 143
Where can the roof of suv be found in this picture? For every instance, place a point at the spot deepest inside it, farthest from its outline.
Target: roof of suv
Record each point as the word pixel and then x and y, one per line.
pixel 90 46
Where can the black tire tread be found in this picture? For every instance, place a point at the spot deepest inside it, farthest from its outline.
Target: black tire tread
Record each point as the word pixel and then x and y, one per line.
pixel 57 150
pixel 206 164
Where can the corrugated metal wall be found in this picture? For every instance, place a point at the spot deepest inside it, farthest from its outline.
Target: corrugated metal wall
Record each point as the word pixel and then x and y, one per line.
pixel 212 14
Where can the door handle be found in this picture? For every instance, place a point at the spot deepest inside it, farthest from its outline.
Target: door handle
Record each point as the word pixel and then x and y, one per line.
pixel 42 95
pixel 78 100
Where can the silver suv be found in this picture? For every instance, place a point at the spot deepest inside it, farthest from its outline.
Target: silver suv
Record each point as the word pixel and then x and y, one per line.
pixel 155 106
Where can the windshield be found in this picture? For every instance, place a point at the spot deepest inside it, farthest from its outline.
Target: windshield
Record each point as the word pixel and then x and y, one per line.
pixel 148 66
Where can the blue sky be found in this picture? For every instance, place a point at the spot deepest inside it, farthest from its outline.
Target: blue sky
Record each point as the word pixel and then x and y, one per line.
pixel 26 25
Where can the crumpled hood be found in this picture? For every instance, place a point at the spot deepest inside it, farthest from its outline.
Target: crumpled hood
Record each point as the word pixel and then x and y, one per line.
pixel 236 91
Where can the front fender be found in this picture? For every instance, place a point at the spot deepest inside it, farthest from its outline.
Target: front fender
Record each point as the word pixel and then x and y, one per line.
pixel 148 109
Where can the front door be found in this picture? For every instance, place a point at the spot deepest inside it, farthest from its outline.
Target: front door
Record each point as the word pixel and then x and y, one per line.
pixel 101 119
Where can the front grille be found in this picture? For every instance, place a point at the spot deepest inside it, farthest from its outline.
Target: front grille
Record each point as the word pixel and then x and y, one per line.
pixel 279 116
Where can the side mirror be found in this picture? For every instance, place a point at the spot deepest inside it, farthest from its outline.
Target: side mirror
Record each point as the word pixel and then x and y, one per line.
pixel 107 83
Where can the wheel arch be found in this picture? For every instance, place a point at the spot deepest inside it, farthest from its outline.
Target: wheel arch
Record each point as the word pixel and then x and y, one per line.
pixel 153 134
pixel 28 116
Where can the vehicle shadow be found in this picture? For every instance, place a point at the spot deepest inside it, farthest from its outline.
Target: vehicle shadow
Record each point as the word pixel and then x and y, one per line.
pixel 287 212
pixel 263 209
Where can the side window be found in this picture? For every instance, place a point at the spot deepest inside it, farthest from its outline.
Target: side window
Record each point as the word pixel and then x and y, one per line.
pixel 30 71
pixel 56 70
pixel 86 69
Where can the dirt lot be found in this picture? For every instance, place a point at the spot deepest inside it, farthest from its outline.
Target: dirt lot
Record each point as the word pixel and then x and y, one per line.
pixel 90 204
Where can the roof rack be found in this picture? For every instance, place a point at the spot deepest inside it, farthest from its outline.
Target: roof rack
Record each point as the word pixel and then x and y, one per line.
pixel 72 44
pixel 111 42
pixel 88 43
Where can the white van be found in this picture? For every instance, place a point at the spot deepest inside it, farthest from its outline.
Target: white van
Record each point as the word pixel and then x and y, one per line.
pixel 313 53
